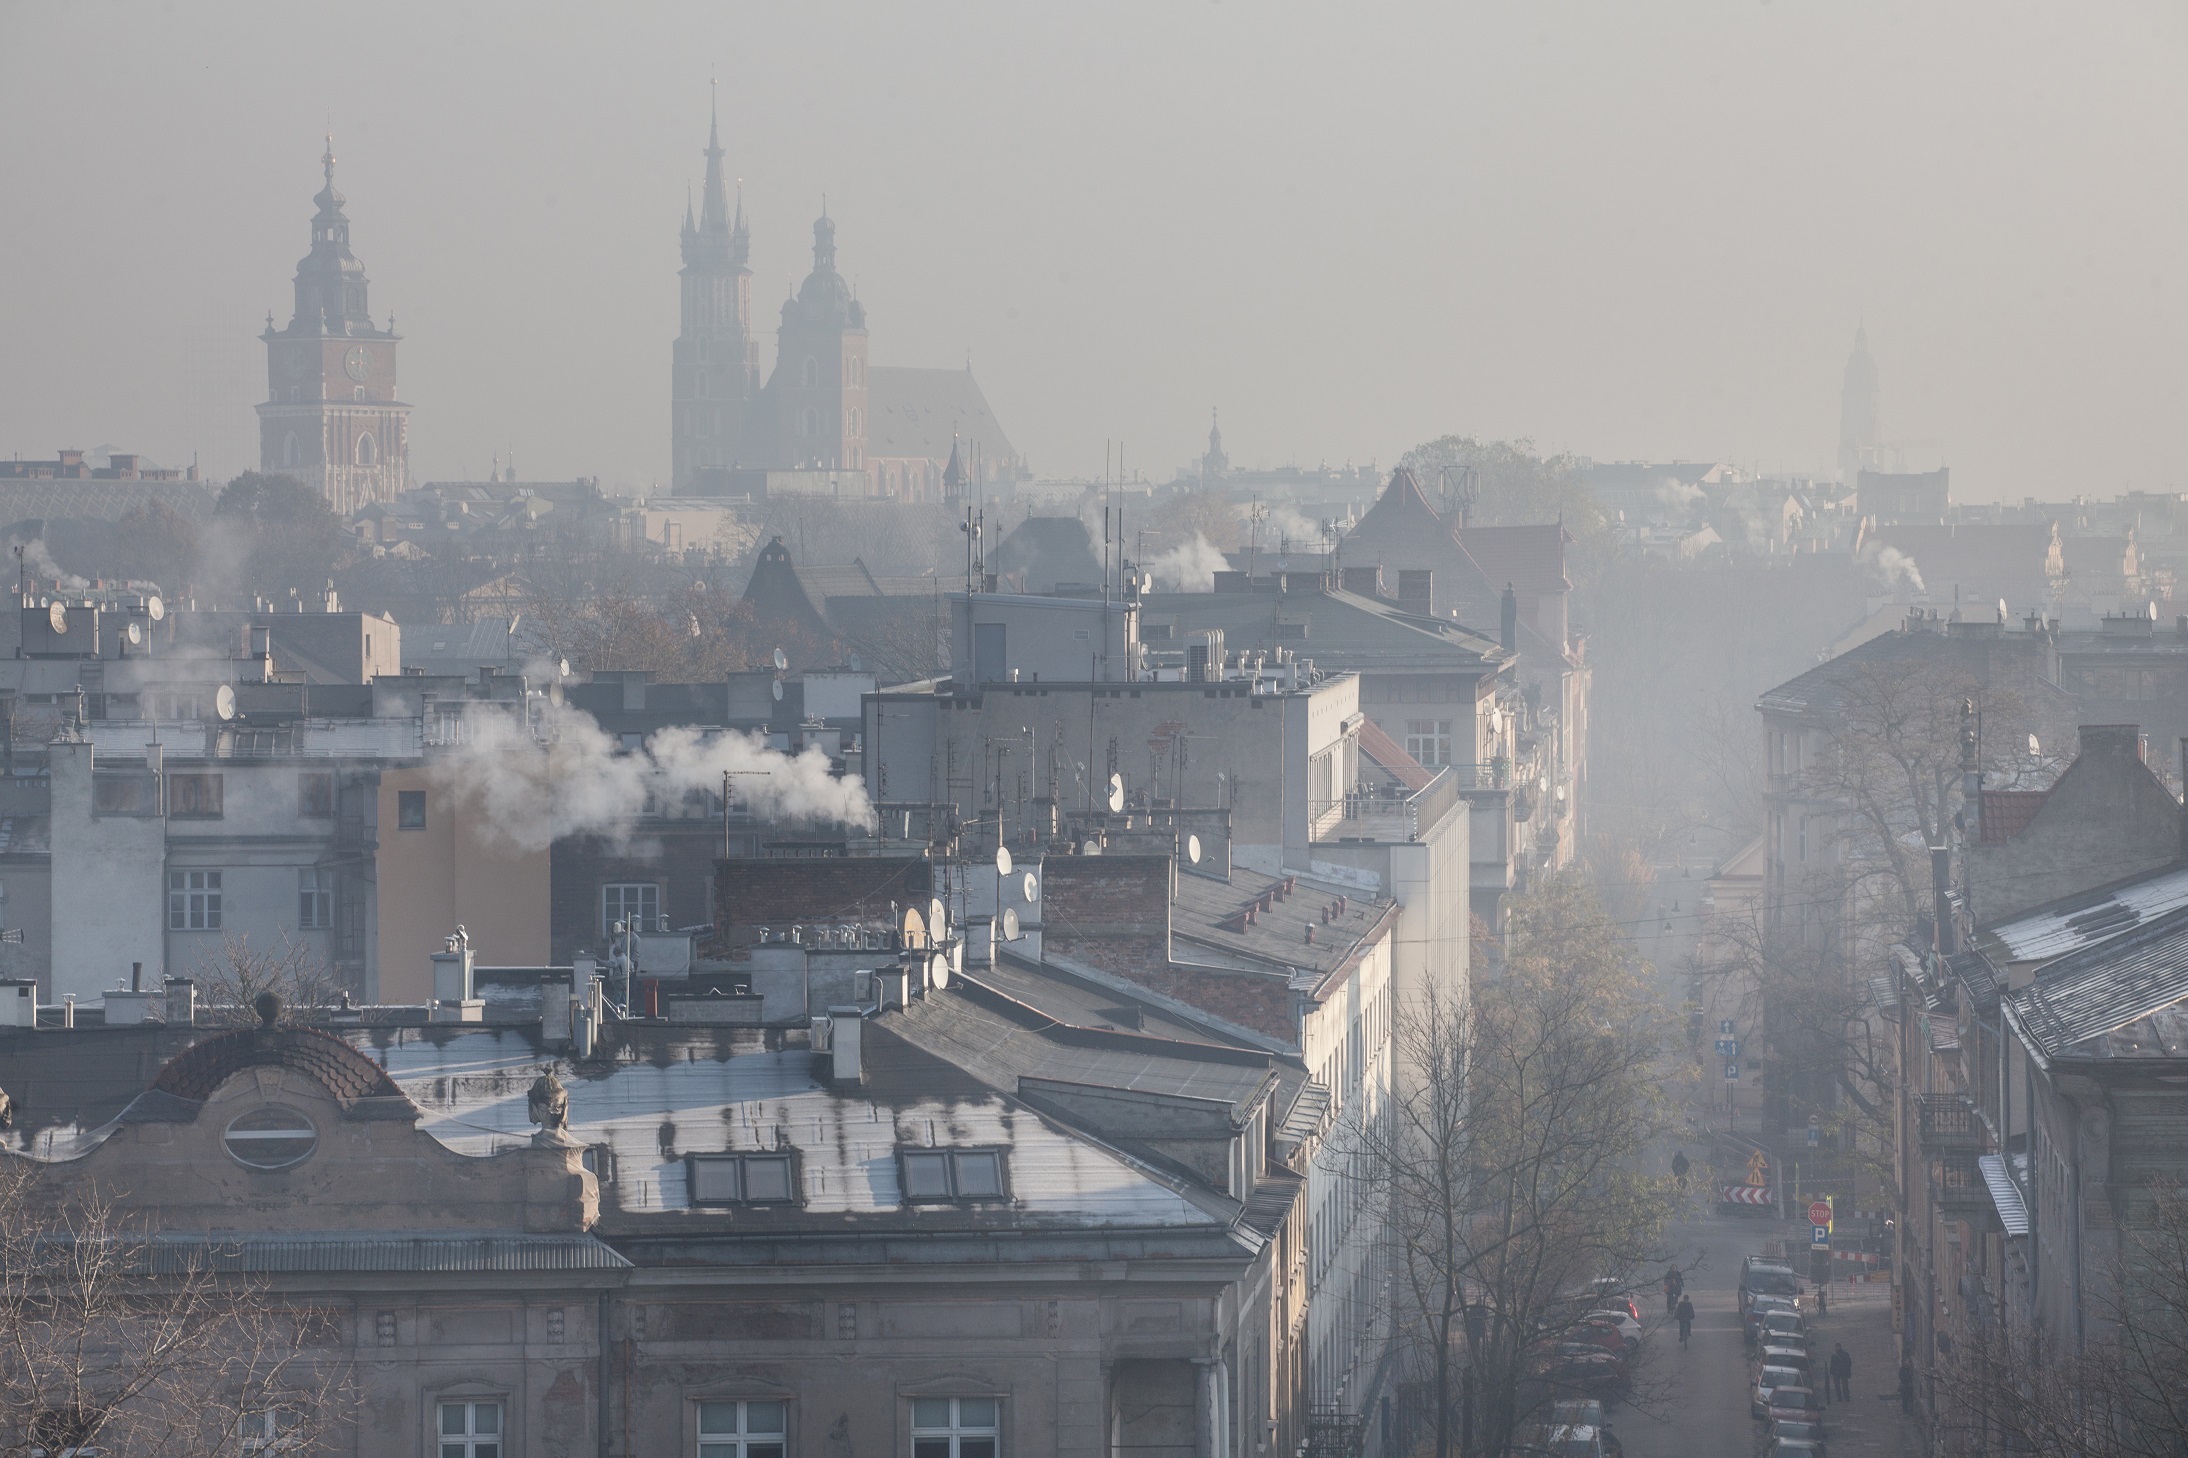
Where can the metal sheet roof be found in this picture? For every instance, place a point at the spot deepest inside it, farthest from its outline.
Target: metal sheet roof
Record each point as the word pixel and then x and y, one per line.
pixel 2106 987
pixel 352 1251
pixel 2069 925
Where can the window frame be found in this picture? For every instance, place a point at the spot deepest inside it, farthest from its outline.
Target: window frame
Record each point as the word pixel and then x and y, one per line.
pixel 738 1159
pixel 1436 735
pixel 317 912
pixel 646 922
pixel 950 1155
pixel 309 781
pixel 470 1442
pixel 957 1431
pixel 209 894
pixel 191 803
pixel 741 1442
pixel 404 800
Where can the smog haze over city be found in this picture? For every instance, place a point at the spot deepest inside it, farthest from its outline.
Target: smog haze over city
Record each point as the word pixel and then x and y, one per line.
pixel 1629 232
pixel 1198 730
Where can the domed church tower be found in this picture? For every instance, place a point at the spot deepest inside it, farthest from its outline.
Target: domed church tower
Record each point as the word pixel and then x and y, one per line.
pixel 817 395
pixel 331 417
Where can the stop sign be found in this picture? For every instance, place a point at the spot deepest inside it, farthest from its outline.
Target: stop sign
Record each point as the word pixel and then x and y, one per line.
pixel 1819 1213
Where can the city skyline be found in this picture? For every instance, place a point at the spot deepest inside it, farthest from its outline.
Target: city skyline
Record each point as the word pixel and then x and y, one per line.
pixel 1561 258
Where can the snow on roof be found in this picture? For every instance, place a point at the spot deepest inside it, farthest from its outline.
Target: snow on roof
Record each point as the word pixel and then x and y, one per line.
pixel 2081 921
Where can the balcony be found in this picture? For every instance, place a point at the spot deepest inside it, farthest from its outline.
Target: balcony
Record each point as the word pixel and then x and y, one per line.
pixel 1948 1122
pixel 1957 1186
pixel 1389 813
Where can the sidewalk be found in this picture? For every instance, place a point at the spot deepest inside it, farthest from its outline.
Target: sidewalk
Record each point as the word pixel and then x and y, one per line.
pixel 1860 1317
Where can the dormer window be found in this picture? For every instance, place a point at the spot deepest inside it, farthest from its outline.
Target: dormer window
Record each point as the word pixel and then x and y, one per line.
pixel 951 1176
pixel 742 1179
pixel 270 1138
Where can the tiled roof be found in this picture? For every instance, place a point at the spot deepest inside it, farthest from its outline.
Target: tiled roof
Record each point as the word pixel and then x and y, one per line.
pixel 344 1072
pixel 2006 813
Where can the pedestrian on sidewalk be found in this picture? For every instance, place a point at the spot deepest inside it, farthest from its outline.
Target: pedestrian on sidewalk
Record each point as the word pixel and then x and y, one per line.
pixel 1686 1319
pixel 1906 1384
pixel 1823 1298
pixel 1679 1167
pixel 1674 1283
pixel 1842 1372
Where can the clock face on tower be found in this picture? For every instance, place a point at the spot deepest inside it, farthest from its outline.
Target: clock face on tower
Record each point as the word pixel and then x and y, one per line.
pixel 358 362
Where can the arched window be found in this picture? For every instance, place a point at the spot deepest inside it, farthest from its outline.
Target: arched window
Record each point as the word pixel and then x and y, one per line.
pixel 367 452
pixel 857 421
pixel 809 421
pixel 812 372
pixel 288 450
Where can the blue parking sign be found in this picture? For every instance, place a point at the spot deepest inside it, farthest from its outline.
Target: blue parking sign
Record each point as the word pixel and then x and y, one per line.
pixel 1732 1073
pixel 1819 1235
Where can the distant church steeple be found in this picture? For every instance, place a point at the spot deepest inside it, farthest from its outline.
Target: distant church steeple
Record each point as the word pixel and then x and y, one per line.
pixel 1214 463
pixel 1860 426
pixel 715 370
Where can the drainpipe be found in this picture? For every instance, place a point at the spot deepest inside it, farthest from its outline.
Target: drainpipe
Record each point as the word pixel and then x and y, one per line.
pixel 600 1421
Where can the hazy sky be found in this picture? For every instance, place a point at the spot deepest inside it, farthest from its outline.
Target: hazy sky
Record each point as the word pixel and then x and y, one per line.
pixel 1623 229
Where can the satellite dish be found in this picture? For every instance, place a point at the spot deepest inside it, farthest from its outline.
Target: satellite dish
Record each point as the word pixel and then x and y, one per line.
pixel 57 615
pixel 1032 889
pixel 562 667
pixel 1002 860
pixel 134 633
pixel 555 694
pixel 1192 850
pixel 782 660
pixel 1091 848
pixel 155 608
pixel 938 972
pixel 1116 793
pixel 915 929
pixel 937 918
pixel 224 702
pixel 1010 925
pixel 777 686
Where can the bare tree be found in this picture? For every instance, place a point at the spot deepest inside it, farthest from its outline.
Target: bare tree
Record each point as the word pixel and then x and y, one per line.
pixel 232 980
pixel 2014 1386
pixel 1507 1164
pixel 115 1340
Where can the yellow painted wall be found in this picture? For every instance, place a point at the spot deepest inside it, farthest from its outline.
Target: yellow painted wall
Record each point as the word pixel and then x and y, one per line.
pixel 432 880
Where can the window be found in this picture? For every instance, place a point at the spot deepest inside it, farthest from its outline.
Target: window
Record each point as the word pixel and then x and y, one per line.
pixel 471 1430
pixel 270 1138
pixel 366 451
pixel 932 1175
pixel 314 899
pixel 315 788
pixel 193 901
pixel 359 395
pixel 954 1427
pixel 125 793
pixel 742 1179
pixel 195 797
pixel 1428 741
pixel 410 809
pixel 638 906
pixel 742 1429
pixel 271 1431
pixel 812 372
pixel 288 446
pixel 857 421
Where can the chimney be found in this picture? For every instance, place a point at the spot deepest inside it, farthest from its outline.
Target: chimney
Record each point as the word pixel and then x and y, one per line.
pixel 452 999
pixel 557 1010
pixel 1948 941
pixel 844 1026
pixel 182 1002
pixel 1417 591
pixel 1508 620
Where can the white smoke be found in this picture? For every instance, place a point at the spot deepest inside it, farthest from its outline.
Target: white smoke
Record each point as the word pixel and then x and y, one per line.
pixel 1188 568
pixel 39 563
pixel 565 775
pixel 1676 494
pixel 1892 567
pixel 1284 524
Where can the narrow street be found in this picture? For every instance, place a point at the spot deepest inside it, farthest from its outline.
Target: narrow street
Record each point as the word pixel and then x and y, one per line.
pixel 1694 1403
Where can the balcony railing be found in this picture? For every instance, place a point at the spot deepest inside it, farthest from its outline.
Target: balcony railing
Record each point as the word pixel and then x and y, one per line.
pixel 1948 1122
pixel 1391 815
pixel 1956 1183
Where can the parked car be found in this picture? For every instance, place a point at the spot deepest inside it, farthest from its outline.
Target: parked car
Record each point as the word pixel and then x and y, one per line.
pixel 1628 1329
pixel 1783 1356
pixel 1604 1336
pixel 1562 1440
pixel 1587 1412
pixel 1604 1293
pixel 1586 1367
pixel 1797 1448
pixel 1781 1328
pixel 1767 1382
pixel 1795 1403
pixel 1802 1431
pixel 1762 1305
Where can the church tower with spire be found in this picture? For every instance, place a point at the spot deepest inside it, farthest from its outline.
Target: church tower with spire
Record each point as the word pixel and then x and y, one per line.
pixel 716 368
pixel 332 418
pixel 817 395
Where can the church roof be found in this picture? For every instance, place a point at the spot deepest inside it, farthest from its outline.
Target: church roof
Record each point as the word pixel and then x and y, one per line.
pixel 1531 557
pixel 919 414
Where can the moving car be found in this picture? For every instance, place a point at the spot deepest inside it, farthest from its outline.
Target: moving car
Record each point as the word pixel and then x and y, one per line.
pixel 1768 1380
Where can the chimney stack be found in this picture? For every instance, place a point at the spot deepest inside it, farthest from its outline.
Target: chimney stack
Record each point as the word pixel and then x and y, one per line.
pixel 1508 621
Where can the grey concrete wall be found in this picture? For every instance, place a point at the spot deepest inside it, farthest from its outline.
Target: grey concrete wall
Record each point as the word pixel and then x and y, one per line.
pixel 109 886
